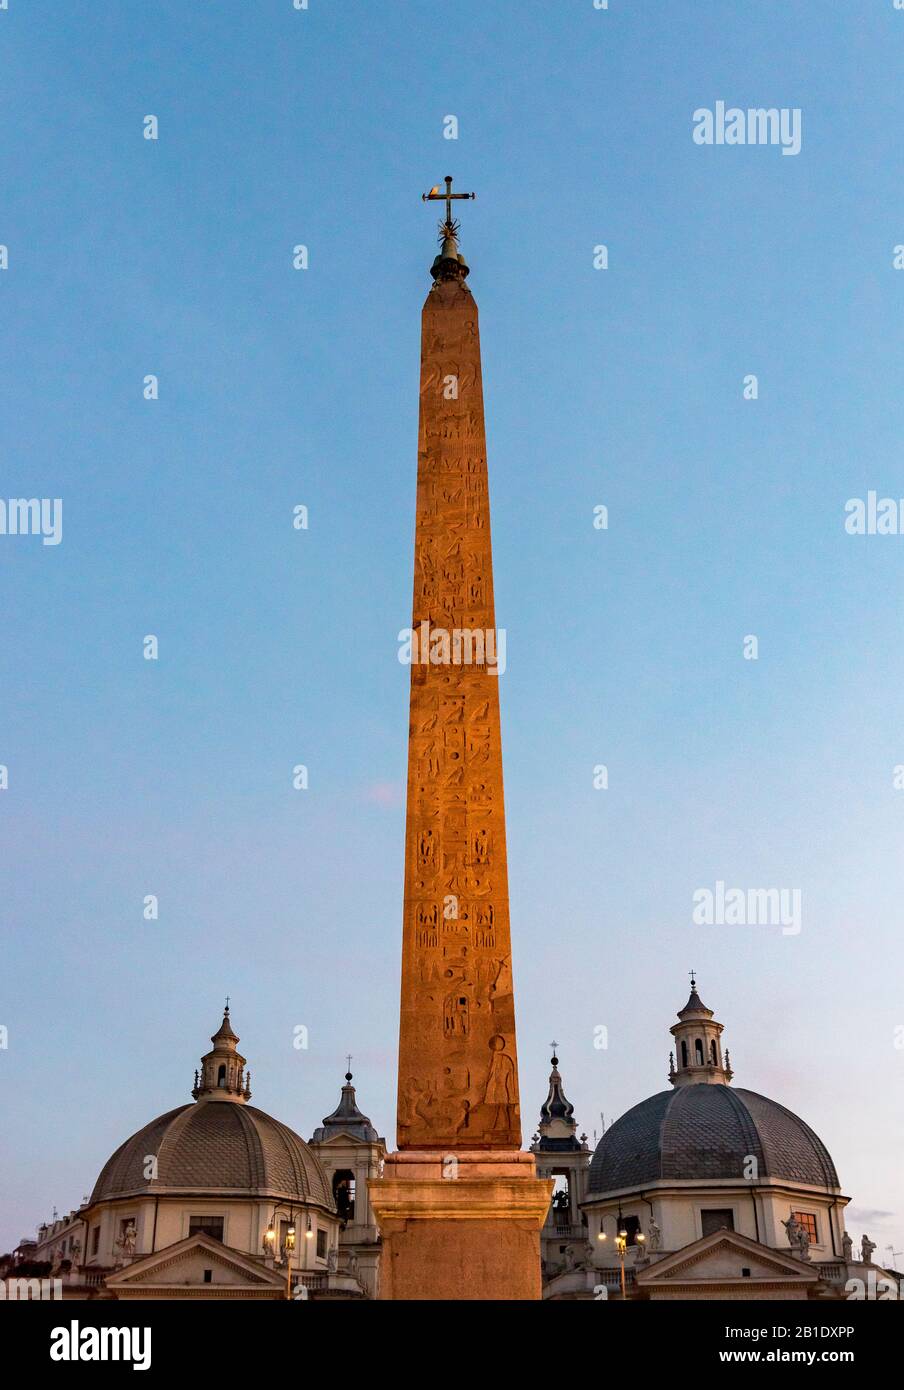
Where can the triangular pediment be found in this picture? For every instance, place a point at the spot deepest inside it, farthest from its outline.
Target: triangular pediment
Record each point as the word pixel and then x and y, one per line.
pixel 182 1265
pixel 721 1258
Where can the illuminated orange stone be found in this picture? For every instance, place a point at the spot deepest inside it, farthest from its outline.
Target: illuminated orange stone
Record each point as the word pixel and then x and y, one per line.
pixel 458 1070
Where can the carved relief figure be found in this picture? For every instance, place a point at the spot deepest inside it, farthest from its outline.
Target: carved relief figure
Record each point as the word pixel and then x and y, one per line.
pixel 456 1022
pixel 501 1084
pixel 485 932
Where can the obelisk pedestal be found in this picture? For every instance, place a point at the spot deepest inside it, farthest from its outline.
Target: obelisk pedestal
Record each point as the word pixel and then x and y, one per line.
pixel 459 1206
pixel 460 1226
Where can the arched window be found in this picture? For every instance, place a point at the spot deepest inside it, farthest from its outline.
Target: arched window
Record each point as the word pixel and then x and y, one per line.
pixel 713 1057
pixel 684 1054
pixel 561 1199
pixel 698 1051
pixel 221 1074
pixel 344 1193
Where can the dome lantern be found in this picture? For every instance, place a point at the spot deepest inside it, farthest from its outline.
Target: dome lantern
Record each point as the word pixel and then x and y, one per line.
pixel 223 1075
pixel 698 1045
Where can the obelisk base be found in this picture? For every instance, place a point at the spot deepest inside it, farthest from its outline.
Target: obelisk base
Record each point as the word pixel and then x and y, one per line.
pixel 460 1225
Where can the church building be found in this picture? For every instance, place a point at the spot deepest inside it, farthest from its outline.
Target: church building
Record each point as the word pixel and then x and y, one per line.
pixel 216 1199
pixel 703 1191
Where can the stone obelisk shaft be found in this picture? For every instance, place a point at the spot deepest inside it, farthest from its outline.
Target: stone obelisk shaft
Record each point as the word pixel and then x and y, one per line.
pixel 458 1077
pixel 459 1206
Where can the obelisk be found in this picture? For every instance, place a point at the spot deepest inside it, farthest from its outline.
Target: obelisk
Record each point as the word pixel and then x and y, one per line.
pixel 459 1206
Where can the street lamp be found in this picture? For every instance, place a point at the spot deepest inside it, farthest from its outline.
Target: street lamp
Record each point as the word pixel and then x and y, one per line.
pixel 621 1244
pixel 288 1247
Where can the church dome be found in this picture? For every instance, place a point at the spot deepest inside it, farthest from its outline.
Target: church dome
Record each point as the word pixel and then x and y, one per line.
pixel 219 1143
pixel 706 1129
pixel 226 1148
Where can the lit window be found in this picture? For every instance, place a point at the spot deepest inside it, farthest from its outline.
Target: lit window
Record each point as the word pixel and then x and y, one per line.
pixel 808 1221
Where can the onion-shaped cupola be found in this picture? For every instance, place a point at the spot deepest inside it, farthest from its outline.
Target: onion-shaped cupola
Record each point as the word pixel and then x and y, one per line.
pixel 346 1119
pixel 557 1129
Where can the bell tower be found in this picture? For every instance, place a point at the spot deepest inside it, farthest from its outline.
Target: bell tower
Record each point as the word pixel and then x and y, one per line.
pixel 564 1158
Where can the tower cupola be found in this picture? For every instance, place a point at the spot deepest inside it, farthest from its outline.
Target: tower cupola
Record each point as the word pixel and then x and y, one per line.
pixel 698 1046
pixel 557 1130
pixel 223 1075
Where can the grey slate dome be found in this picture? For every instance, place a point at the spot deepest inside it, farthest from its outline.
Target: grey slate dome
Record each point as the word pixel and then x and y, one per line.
pixel 228 1149
pixel 707 1131
pixel 221 1144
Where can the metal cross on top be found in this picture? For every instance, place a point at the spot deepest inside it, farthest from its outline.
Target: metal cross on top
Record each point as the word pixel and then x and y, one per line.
pixel 435 196
pixel 693 975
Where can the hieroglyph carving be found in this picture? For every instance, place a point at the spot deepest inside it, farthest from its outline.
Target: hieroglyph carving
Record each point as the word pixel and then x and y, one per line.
pixel 458 1073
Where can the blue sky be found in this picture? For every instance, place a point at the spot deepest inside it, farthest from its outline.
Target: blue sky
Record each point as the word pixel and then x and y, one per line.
pixel 277 647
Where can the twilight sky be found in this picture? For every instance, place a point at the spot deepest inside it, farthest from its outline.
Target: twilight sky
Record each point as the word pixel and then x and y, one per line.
pixel 625 647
